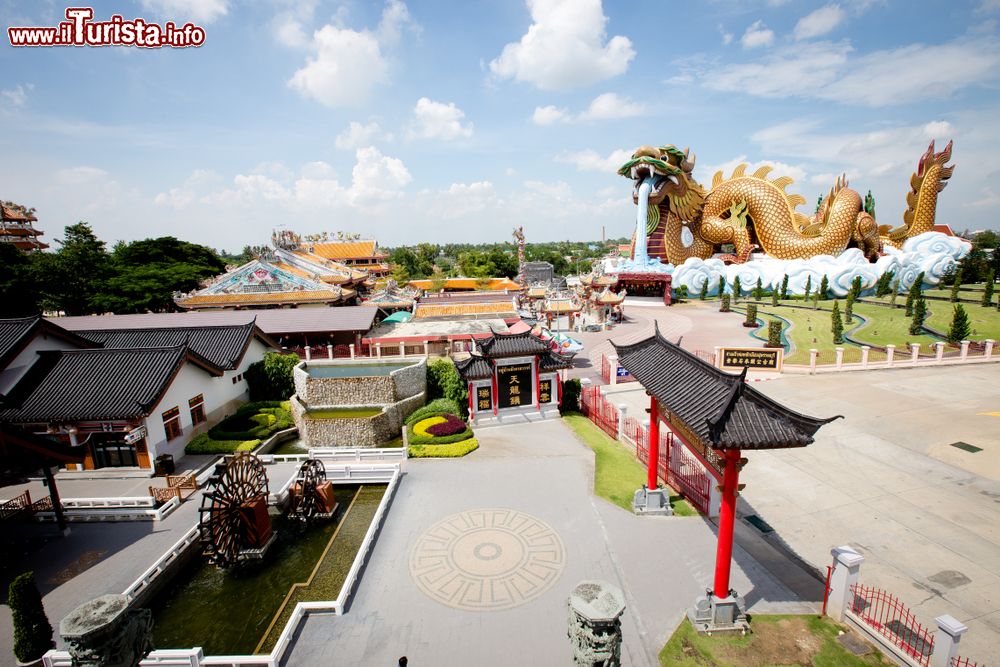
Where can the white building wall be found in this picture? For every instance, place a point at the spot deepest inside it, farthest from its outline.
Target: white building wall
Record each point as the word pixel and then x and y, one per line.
pixel 14 371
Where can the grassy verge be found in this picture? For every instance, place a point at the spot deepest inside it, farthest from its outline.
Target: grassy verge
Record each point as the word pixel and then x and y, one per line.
pixel 617 473
pixel 985 321
pixel 775 640
pixel 450 450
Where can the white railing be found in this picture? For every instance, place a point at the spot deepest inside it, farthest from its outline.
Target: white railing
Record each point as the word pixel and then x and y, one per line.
pixel 343 474
pixel 56 658
pixel 154 570
pixel 110 509
pixel 193 657
pixel 358 453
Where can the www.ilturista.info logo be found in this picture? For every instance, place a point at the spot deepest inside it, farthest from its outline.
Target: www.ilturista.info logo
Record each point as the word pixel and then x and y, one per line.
pixel 79 29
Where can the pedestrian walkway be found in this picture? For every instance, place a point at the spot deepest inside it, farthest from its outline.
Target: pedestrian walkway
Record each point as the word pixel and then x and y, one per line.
pixel 535 480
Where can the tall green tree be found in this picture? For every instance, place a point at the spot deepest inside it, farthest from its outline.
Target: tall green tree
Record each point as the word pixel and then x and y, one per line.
pixel 18 287
pixel 774 297
pixel 737 289
pixel 809 282
pixel 722 286
pixel 956 285
pixel 919 316
pixel 960 325
pixel 836 324
pixel 75 281
pixel 849 309
pixel 855 287
pixel 784 286
pixel 824 288
pixel 988 289
pixel 914 293
pixel 704 291
pixel 758 289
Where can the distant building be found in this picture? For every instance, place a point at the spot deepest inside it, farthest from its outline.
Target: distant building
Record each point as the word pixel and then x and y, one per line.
pixel 538 272
pixel 122 397
pixel 466 285
pixel 361 254
pixel 17 227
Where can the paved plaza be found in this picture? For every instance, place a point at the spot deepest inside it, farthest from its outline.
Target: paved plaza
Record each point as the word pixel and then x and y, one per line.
pixel 478 555
pixel 886 481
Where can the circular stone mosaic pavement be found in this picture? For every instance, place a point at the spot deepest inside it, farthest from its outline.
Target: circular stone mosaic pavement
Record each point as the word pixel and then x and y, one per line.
pixel 487 559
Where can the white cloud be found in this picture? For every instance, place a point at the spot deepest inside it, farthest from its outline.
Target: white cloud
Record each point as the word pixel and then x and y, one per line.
pixel 288 30
pixel 14 98
pixel 345 66
pixel 727 37
pixel 704 173
pixel 988 6
pixel 550 115
pixel 188 192
pixel 939 129
pixel 590 160
pixel 610 105
pixel 395 18
pixel 565 47
pixel 757 34
pixel 607 106
pixel 437 120
pixel 989 199
pixel 376 178
pixel 79 175
pixel 831 71
pixel 182 11
pixel 356 135
pixel 820 22
pixel 461 200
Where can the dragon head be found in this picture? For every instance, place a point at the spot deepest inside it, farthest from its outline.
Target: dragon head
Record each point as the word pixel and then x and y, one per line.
pixel 670 168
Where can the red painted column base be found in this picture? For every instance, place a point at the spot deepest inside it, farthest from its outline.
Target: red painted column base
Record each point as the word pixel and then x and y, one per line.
pixel 727 520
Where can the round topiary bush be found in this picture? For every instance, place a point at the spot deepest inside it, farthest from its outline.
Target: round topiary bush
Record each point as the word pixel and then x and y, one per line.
pixel 32 631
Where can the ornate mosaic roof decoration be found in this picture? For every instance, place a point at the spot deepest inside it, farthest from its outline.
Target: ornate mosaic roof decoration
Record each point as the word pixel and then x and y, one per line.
pixel 392 296
pixel 608 297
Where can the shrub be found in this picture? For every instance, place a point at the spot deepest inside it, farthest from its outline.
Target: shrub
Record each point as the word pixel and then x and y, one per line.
pixel 809 282
pixel 271 378
pixel 704 291
pixel 824 288
pixel 737 289
pixel 751 320
pixel 956 285
pixel 204 444
pixel 988 292
pixel 774 333
pixel 455 449
pixel 32 631
pixel 570 396
pixel 443 381
pixel 884 284
pixel 450 426
pixel 252 424
pixel 836 324
pixel 855 288
pixel 774 297
pixel 784 287
pixel 960 326
pixel 758 290
pixel 435 407
pixel 724 304
pixel 420 434
pixel 919 315
pixel 420 428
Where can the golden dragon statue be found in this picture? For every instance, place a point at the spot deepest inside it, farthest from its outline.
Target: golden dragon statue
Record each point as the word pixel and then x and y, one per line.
pixel 684 219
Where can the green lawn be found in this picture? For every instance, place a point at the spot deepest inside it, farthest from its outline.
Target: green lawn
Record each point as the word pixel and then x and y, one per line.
pixel 776 640
pixel 618 474
pixel 809 329
pixel 985 321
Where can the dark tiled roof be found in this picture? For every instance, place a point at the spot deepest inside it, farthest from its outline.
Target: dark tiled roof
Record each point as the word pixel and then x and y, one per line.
pixel 221 346
pixel 553 361
pixel 512 345
pixel 96 384
pixel 273 322
pixel 719 408
pixel 478 368
pixel 17 332
pixel 474 368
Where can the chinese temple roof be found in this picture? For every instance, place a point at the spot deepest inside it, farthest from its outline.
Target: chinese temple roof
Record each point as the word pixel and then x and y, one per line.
pixel 492 284
pixel 337 250
pixel 478 367
pixel 17 229
pixel 512 345
pixel 221 346
pixel 489 309
pixel 93 385
pixel 560 306
pixel 537 292
pixel 609 298
pixel 16 333
pixel 598 280
pixel 392 296
pixel 719 408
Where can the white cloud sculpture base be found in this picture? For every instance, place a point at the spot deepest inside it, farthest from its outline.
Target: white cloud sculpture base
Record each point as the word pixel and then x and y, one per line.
pixel 932 253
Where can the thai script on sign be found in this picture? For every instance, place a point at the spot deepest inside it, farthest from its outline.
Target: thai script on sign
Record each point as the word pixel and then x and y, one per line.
pixel 753 358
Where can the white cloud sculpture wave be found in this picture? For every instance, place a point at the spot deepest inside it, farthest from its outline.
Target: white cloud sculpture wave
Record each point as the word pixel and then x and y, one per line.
pixel 931 253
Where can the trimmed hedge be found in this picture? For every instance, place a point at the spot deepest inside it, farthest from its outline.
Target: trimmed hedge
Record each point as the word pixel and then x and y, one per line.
pixel 254 421
pixel 204 444
pixel 455 449
pixel 450 426
pixel 435 407
pixel 429 439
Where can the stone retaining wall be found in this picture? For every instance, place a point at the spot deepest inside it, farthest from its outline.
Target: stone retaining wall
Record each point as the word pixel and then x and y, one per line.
pixel 364 390
pixel 371 431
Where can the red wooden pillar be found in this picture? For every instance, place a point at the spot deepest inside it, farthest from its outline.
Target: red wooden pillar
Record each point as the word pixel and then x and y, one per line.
pixel 727 518
pixel 538 384
pixel 654 443
pixel 472 401
pixel 493 379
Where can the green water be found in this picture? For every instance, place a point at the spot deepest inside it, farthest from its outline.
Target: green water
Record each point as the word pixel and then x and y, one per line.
pixel 227 612
pixel 353 370
pixel 343 413
pixel 296 446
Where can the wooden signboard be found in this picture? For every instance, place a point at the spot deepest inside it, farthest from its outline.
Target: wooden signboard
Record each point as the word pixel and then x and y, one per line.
pixel 545 391
pixel 484 398
pixel 514 382
pixel 754 358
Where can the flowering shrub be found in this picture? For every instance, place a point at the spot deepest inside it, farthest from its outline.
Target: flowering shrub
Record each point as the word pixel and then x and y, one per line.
pixel 421 426
pixel 450 426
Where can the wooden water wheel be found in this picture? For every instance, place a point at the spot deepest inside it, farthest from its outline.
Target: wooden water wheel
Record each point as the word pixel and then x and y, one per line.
pixel 234 523
pixel 311 495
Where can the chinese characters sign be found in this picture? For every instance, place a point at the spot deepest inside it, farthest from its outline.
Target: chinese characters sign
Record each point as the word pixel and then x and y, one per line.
pixel 514 383
pixel 754 358
pixel 545 391
pixel 484 399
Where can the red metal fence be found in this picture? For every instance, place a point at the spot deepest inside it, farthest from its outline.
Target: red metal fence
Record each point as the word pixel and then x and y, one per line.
pixel 689 475
pixel 600 410
pixel 959 661
pixel 606 369
pixel 886 615
pixel 16 505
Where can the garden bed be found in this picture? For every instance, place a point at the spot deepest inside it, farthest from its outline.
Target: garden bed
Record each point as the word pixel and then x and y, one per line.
pixel 437 431
pixel 244 430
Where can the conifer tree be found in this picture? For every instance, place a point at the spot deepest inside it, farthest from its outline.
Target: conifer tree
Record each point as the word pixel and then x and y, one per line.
pixel 914 294
pixel 955 286
pixel 704 290
pixel 894 294
pixel 856 287
pixel 758 290
pixel 774 297
pixel 784 287
pixel 737 288
pixel 960 326
pixel 837 324
pixel 824 288
pixel 849 309
pixel 988 291
pixel 809 283
pixel 722 286
pixel 919 315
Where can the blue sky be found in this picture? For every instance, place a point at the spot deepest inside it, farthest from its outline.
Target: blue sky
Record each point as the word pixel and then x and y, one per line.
pixel 455 121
